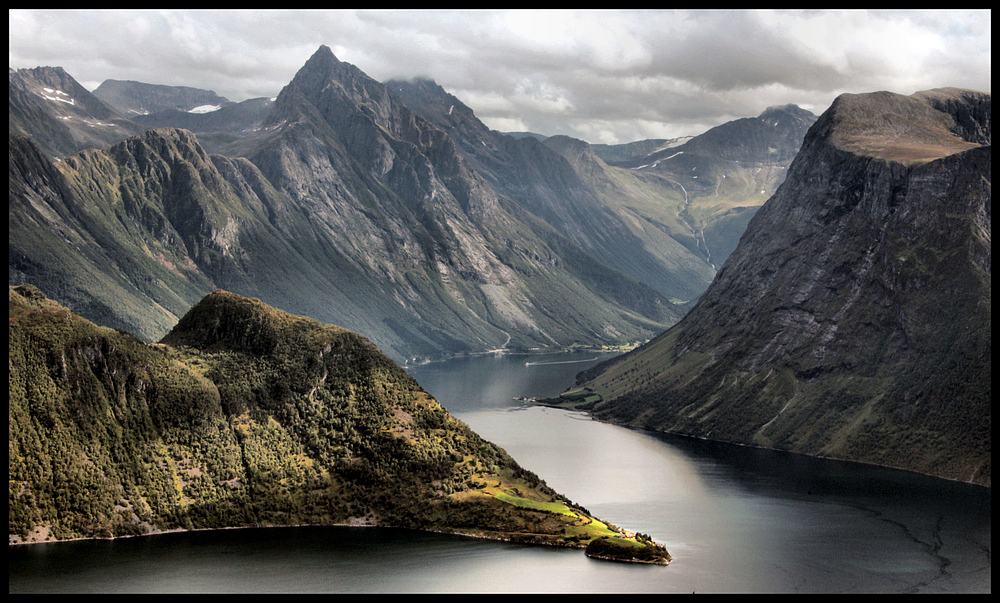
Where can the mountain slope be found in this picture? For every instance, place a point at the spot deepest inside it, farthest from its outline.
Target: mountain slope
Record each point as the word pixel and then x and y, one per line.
pixel 659 225
pixel 64 117
pixel 134 235
pixel 549 186
pixel 342 145
pixel 853 320
pixel 248 416
pixel 138 98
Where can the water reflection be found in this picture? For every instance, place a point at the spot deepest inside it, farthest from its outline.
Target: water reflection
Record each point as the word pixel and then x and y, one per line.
pixel 738 519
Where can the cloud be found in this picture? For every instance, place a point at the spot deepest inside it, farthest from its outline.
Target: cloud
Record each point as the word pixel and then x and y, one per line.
pixel 605 76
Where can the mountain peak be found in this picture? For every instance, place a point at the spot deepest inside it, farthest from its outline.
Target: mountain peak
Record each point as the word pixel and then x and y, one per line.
pixel 789 109
pixel 224 320
pixel 886 125
pixel 323 53
pixel 323 67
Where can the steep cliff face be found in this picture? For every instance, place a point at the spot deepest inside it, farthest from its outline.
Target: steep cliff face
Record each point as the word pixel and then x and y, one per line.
pixel 853 320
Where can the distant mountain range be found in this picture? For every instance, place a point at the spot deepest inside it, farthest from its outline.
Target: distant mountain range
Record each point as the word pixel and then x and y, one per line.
pixel 385 208
pixel 853 319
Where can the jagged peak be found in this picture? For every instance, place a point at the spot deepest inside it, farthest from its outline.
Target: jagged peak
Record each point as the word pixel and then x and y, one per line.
pixel 323 54
pixel 159 139
pixel 41 71
pixel 56 77
pixel 322 68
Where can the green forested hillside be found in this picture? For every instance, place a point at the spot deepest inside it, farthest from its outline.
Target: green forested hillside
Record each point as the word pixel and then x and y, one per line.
pixel 246 416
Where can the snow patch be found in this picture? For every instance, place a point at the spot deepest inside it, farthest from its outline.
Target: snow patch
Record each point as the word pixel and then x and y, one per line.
pixel 675 142
pixel 59 94
pixel 205 108
pixel 657 162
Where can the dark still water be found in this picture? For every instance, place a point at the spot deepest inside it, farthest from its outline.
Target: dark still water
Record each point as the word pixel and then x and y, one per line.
pixel 735 519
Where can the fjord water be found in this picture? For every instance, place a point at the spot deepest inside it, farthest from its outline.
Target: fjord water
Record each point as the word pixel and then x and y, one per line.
pixel 736 519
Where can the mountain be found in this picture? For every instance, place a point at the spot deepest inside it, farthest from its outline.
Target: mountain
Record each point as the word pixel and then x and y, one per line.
pixel 215 126
pixel 133 235
pixel 853 319
pixel 138 98
pixel 333 123
pixel 215 119
pixel 545 183
pixel 659 225
pixel 775 134
pixel 721 177
pixel 342 205
pixel 65 118
pixel 616 153
pixel 249 416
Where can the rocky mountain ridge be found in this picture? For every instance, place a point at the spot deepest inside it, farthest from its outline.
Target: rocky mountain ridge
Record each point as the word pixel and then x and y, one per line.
pixel 342 205
pixel 138 98
pixel 46 103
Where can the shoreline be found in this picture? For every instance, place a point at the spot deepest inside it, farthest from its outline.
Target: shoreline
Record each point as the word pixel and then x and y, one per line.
pixel 517 352
pixel 547 403
pixel 527 540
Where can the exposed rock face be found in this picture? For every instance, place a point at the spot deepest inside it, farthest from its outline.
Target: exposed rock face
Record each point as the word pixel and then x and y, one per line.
pixel 853 320
pixel 541 180
pixel 397 199
pixel 668 218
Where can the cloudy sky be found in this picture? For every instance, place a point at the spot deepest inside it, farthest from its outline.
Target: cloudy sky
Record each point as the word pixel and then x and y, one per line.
pixel 603 76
